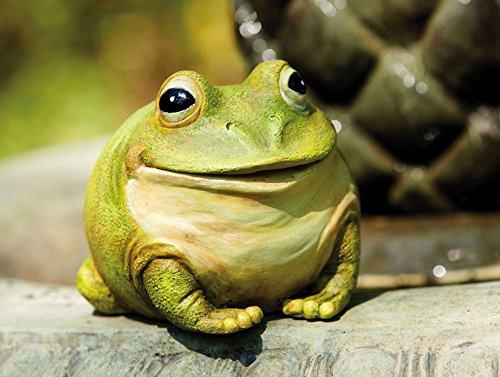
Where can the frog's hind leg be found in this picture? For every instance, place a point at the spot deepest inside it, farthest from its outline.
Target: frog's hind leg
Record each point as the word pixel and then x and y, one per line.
pixel 91 285
pixel 337 280
pixel 177 295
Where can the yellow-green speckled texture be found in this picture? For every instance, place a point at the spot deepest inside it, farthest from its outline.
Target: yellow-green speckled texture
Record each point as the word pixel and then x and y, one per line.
pixel 240 130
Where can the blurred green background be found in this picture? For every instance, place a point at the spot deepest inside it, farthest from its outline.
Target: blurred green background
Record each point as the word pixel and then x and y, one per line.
pixel 71 70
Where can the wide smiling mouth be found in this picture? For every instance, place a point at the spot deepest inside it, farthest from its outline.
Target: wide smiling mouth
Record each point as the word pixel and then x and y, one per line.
pixel 254 171
pixel 247 173
pixel 261 181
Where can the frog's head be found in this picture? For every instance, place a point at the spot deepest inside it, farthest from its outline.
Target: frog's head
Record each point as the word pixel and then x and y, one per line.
pixel 265 123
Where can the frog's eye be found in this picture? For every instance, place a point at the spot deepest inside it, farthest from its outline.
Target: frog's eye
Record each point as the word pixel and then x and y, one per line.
pixel 293 88
pixel 178 102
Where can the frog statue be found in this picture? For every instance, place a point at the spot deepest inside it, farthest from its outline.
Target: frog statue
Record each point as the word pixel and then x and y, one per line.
pixel 213 204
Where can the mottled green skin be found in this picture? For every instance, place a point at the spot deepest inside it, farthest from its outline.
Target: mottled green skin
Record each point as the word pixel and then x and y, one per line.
pixel 130 271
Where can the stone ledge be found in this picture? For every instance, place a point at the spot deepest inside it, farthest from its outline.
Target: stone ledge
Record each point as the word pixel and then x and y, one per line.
pixel 437 331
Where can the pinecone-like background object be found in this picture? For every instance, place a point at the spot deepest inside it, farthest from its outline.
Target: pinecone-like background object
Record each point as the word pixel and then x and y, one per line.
pixel 413 86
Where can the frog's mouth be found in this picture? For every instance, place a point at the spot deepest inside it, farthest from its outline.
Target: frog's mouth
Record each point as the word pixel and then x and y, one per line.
pixel 240 181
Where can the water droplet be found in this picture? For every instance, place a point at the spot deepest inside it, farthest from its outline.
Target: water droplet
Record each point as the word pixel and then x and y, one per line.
pixel 417 174
pixel 399 69
pixel 421 88
pixel 268 54
pixel 252 17
pixel 327 8
pixel 409 80
pixel 255 27
pixel 439 271
pixel 249 29
pixel 455 254
pixel 243 29
pixel 331 12
pixel 259 45
pixel 242 14
pixel 341 4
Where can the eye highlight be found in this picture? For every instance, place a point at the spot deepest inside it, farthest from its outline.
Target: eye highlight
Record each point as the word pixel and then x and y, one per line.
pixel 293 88
pixel 179 101
pixel 175 100
pixel 296 83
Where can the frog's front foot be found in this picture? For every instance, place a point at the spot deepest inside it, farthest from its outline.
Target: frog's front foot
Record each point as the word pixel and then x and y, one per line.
pixel 338 280
pixel 176 294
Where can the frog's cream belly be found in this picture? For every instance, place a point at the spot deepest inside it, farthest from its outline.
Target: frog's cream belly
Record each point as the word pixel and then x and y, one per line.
pixel 251 248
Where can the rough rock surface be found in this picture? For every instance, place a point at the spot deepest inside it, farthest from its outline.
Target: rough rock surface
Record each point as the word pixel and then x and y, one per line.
pixel 48 330
pixel 41 206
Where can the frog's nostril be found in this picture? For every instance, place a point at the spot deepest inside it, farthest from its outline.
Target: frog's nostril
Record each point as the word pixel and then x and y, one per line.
pixel 276 123
pixel 275 118
pixel 229 125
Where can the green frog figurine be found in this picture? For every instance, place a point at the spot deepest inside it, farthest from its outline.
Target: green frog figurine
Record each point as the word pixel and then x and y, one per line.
pixel 212 205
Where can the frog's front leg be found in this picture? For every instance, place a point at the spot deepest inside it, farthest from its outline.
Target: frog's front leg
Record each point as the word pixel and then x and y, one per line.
pixel 337 289
pixel 177 295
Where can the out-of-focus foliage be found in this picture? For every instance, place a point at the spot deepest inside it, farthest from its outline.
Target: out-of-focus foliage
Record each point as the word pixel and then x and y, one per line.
pixel 74 69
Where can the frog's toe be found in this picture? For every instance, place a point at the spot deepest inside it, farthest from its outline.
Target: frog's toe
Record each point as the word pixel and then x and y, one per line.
pixel 293 307
pixel 311 309
pixel 230 325
pixel 326 310
pixel 308 309
pixel 255 314
pixel 244 320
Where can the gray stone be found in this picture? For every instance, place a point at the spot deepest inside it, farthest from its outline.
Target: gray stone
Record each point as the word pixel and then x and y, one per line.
pixel 404 250
pixel 49 330
pixel 41 203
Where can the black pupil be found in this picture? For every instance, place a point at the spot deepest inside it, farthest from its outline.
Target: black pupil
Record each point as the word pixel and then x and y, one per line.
pixel 175 100
pixel 296 83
